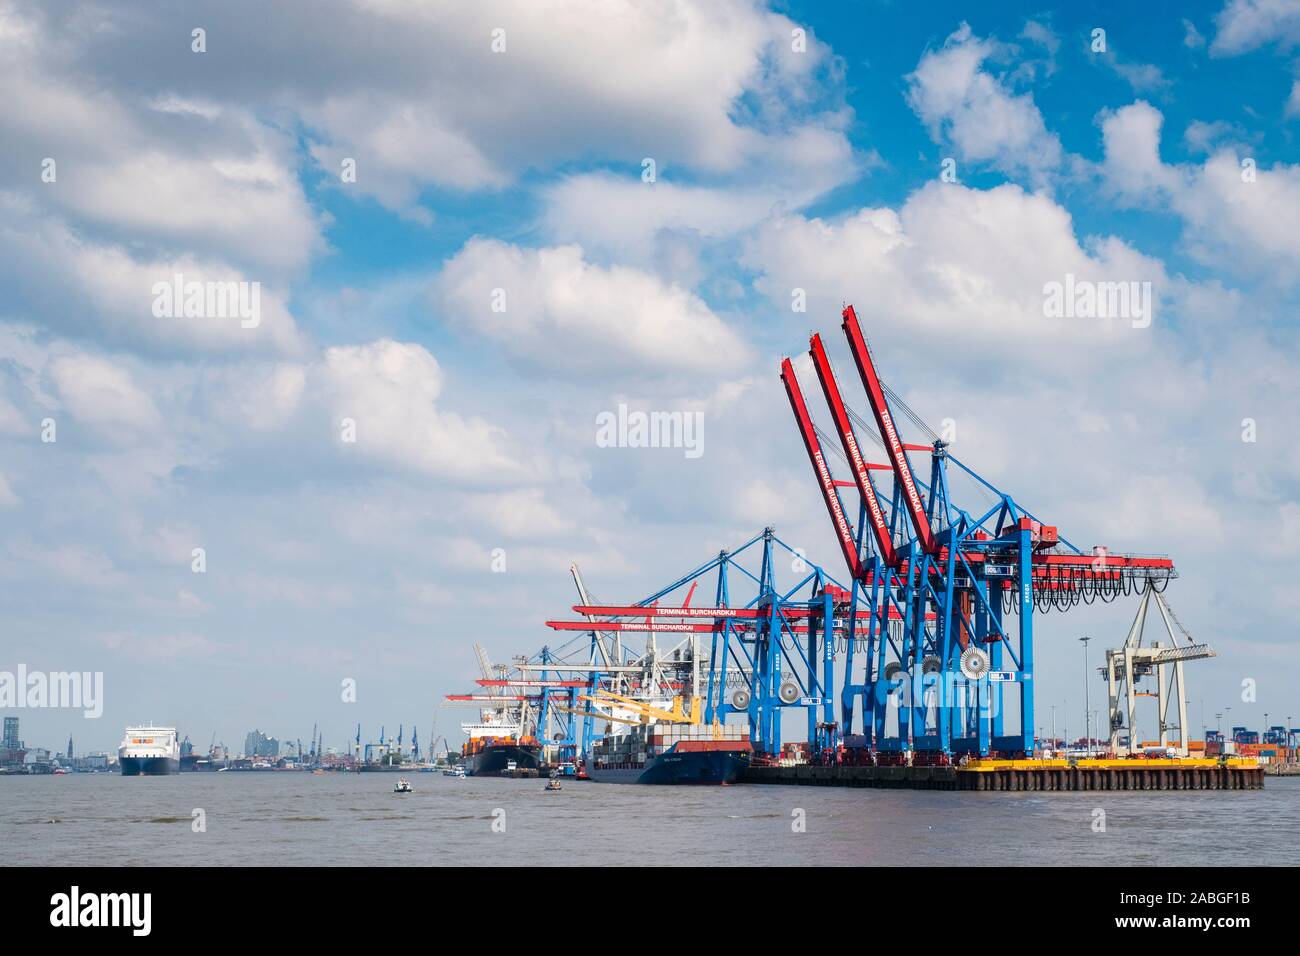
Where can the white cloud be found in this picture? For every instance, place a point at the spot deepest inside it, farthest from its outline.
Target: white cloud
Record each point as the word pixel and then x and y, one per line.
pixel 1201 137
pixel 977 112
pixel 958 266
pixel 1245 25
pixel 101 291
pixel 567 315
pixel 1131 167
pixel 162 172
pixel 101 393
pixel 231 415
pixel 708 86
pixel 72 565
pixel 1042 34
pixel 1143 77
pixel 624 217
pixel 523 513
pixel 389 390
pixel 1232 220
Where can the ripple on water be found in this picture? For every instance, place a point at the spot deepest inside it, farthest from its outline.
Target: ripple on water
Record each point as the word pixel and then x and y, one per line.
pixel 290 816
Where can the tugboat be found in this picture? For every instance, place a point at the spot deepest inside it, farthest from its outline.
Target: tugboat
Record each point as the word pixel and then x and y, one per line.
pixel 403 786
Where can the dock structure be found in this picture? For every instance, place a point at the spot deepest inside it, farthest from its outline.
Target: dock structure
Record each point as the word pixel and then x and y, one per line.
pixel 1026 775
pixel 917 670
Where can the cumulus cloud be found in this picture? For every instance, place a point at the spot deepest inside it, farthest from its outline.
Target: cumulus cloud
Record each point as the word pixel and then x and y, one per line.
pixel 1245 25
pixel 624 217
pixel 958 266
pixel 621 79
pixel 174 419
pixel 160 171
pixel 472 96
pixel 104 292
pixel 108 191
pixel 978 113
pixel 389 389
pixel 101 393
pixel 1131 167
pixel 1235 212
pixel 556 311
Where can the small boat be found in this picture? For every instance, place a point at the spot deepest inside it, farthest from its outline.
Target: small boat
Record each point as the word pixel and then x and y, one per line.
pixel 403 786
pixel 454 772
pixel 554 783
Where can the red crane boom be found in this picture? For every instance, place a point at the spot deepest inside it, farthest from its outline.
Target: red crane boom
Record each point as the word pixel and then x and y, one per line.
pixel 851 450
pixel 832 497
pixel 897 453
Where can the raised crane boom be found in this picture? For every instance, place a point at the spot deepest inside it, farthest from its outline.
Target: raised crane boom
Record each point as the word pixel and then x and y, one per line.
pixel 832 497
pixel 596 636
pixel 884 542
pixel 894 445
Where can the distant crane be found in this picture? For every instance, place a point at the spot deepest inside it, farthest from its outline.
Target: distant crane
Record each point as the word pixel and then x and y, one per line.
pixel 1128 664
pixel 597 638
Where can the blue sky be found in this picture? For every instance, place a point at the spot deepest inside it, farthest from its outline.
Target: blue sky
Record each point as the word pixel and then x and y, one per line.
pixel 776 169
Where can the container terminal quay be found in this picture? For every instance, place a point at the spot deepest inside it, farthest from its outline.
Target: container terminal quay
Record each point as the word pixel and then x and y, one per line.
pixel 910 665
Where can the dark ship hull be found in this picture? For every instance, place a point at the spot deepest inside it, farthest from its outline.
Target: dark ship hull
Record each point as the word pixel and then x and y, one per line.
pixel 716 767
pixel 149 766
pixel 494 760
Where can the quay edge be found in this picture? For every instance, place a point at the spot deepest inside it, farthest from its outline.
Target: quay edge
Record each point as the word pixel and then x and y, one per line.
pixel 1028 775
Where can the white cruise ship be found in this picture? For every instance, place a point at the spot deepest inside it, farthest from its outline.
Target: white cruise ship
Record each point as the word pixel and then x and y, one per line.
pixel 150 752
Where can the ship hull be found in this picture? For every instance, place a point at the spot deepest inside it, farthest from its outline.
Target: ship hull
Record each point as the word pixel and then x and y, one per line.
pixel 712 767
pixel 149 766
pixel 495 761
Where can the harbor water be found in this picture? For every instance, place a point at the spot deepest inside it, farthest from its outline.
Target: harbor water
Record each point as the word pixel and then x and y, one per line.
pixel 348 819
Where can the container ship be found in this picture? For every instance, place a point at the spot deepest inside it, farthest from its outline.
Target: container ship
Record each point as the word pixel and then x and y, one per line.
pixel 665 753
pixel 503 741
pixel 149 752
pixel 491 750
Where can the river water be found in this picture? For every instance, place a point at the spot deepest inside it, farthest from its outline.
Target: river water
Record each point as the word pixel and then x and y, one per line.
pixel 278 818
